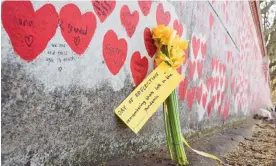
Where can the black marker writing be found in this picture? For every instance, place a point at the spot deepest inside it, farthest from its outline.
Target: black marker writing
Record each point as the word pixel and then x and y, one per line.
pixel 29 40
pixel 23 22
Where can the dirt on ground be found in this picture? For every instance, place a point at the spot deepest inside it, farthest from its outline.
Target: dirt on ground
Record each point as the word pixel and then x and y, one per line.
pixel 251 143
pixel 260 150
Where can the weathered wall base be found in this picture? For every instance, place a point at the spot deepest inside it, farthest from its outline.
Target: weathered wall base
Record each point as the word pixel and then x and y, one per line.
pixel 60 87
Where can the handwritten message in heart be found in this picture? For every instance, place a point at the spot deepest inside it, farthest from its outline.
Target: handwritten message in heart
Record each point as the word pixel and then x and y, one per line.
pixel 145 6
pixel 114 52
pixel 77 29
pixel 149 42
pixel 161 16
pixel 138 67
pixel 129 20
pixel 29 30
pixel 29 40
pixel 103 8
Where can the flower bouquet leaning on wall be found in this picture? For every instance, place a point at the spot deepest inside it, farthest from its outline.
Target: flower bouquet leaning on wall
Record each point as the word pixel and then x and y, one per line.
pixel 170 49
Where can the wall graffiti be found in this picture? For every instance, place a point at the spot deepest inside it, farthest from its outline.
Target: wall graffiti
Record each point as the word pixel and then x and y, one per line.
pixel 66 65
pixel 149 43
pixel 129 20
pixel 114 51
pixel 145 7
pixel 77 29
pixel 138 67
pixel 29 30
pixel 162 17
pixel 213 82
pixel 103 8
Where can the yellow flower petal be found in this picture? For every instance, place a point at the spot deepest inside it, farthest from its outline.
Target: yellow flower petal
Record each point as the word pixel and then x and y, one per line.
pixel 166 36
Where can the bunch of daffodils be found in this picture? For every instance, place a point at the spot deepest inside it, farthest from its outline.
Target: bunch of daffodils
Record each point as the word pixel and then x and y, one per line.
pixel 170 48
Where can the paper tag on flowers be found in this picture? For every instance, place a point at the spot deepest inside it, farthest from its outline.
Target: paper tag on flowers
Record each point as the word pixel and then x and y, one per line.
pixel 140 105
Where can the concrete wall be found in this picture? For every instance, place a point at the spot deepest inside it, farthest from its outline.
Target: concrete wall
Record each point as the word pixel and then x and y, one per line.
pixel 64 73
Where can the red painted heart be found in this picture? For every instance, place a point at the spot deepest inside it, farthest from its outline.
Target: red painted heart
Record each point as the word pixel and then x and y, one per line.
pixel 191 69
pixel 217 65
pixel 183 88
pixel 211 21
pixel 220 82
pixel 138 67
pixel 149 42
pixel 199 94
pixel 204 100
pixel 190 97
pixel 224 69
pixel 232 85
pixel 209 108
pixel 29 30
pixel 161 16
pixel 213 64
pixel 218 96
pixel 226 109
pixel 214 99
pixel 212 80
pixel 208 84
pixel 129 20
pixel 221 68
pixel 221 96
pixel 145 6
pixel 203 49
pixel 186 53
pixel 216 82
pixel 219 109
pixel 226 83
pixel 114 52
pixel 103 8
pixel 211 105
pixel 77 29
pixel 196 45
pixel 179 70
pixel 178 27
pixel 199 67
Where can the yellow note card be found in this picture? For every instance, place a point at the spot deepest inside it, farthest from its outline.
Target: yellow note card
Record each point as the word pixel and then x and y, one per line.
pixel 140 105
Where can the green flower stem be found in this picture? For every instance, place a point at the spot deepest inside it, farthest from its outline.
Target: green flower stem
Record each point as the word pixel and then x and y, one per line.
pixel 168 130
pixel 175 129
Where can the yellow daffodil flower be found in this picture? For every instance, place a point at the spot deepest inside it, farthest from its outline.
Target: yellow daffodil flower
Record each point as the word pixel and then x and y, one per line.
pixel 160 58
pixel 165 36
pixel 157 33
pixel 183 44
